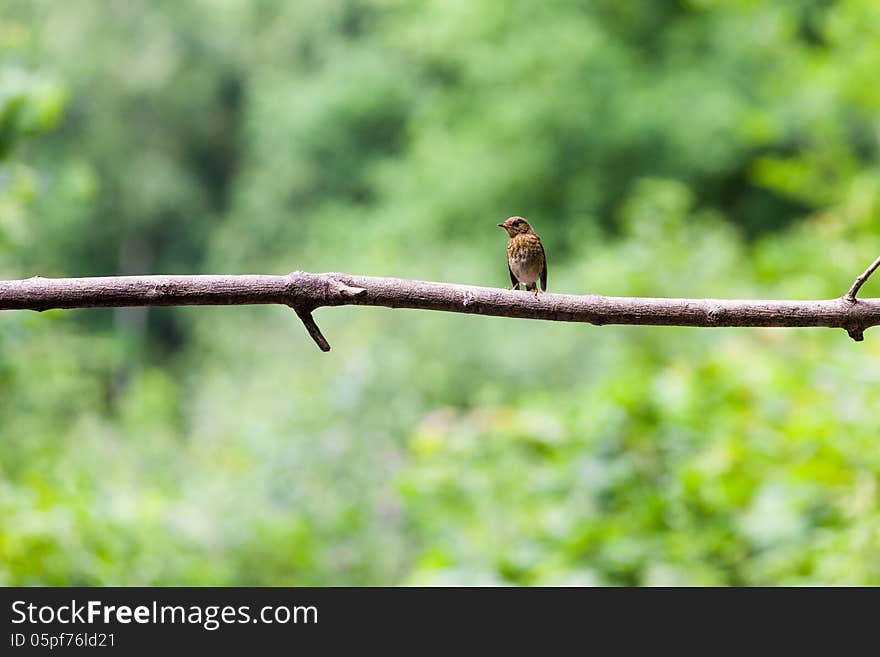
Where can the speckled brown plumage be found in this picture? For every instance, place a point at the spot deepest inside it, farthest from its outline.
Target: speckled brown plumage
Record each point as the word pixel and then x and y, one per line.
pixel 526 261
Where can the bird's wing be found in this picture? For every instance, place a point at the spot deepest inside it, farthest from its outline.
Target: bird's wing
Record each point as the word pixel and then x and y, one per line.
pixel 513 279
pixel 543 269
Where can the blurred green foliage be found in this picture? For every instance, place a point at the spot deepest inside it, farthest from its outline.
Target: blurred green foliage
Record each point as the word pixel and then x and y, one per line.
pixel 723 148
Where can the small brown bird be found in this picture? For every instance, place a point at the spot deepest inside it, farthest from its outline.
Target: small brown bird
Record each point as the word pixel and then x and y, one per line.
pixel 526 261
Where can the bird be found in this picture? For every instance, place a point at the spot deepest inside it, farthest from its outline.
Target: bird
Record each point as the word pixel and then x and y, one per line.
pixel 526 261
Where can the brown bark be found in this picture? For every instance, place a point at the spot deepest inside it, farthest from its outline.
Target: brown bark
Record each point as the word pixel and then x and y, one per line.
pixel 305 292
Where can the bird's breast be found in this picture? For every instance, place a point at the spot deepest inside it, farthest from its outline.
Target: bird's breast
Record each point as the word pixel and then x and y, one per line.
pixel 526 257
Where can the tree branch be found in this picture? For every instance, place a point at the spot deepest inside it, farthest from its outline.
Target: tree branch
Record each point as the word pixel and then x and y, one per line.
pixel 306 292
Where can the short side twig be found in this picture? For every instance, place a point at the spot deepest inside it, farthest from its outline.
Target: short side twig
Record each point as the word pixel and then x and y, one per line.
pixel 857 285
pixel 309 322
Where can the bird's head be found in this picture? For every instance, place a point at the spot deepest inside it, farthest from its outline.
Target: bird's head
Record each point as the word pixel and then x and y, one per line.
pixel 515 226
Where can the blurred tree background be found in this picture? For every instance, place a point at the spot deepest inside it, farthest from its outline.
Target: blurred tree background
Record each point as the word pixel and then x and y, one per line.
pixel 725 148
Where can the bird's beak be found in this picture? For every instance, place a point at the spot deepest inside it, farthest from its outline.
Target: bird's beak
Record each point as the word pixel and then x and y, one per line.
pixel 501 225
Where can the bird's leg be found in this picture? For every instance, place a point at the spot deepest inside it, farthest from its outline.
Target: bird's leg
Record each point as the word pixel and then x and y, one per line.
pixel 515 287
